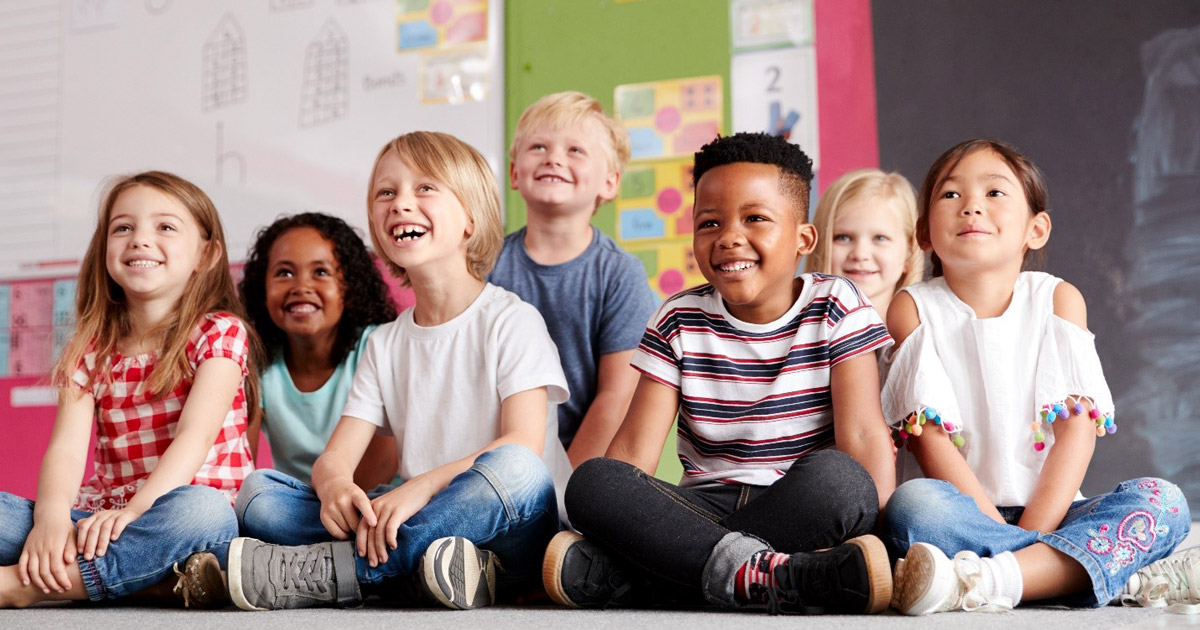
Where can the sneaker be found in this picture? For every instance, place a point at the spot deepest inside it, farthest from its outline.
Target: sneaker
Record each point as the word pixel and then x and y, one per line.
pixel 579 574
pixel 1173 582
pixel 274 577
pixel 458 574
pixel 854 577
pixel 929 582
pixel 201 582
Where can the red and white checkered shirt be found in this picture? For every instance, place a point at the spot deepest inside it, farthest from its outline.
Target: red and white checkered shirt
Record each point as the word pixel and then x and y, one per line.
pixel 133 430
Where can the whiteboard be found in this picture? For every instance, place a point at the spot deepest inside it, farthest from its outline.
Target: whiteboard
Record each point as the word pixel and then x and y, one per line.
pixel 270 106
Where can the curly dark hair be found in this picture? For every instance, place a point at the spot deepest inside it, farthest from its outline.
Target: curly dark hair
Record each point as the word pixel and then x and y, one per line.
pixel 369 303
pixel 795 167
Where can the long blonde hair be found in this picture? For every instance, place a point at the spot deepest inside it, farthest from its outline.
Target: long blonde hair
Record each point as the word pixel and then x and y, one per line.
pixel 102 315
pixel 868 183
pixel 460 167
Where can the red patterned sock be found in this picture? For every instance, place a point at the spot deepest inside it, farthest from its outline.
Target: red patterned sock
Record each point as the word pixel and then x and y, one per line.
pixel 760 570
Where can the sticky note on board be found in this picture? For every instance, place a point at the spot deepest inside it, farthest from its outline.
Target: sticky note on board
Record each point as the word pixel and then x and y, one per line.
pixel 32 304
pixel 5 310
pixel 642 223
pixel 64 302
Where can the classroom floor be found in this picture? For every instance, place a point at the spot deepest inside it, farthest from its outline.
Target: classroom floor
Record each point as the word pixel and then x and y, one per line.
pixel 553 617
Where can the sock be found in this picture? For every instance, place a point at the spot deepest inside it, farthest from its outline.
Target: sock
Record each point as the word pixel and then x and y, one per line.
pixel 1001 575
pixel 759 569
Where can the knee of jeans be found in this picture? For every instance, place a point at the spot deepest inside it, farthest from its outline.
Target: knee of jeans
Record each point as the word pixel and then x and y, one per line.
pixel 845 485
pixel 915 506
pixel 588 490
pixel 200 512
pixel 518 469
pixel 1170 505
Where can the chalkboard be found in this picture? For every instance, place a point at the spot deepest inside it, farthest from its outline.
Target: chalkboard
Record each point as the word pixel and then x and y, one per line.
pixel 1104 95
pixel 270 106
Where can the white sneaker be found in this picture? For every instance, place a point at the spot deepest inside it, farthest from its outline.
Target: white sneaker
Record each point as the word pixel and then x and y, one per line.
pixel 1173 582
pixel 929 582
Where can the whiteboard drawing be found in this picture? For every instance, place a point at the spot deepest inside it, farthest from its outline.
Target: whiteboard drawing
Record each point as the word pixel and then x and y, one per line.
pixel 325 94
pixel 288 5
pixel 224 74
pixel 1163 255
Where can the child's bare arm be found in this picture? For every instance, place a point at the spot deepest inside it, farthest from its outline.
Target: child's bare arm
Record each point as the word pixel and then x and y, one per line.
pixel 934 452
pixel 50 545
pixel 639 440
pixel 858 425
pixel 213 389
pixel 522 421
pixel 1074 441
pixel 343 504
pixel 615 382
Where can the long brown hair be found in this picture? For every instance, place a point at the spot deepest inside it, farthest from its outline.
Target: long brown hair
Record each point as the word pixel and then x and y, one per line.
pixel 1032 181
pixel 101 313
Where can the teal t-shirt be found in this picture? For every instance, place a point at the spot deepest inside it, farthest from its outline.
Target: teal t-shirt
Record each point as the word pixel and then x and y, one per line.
pixel 298 424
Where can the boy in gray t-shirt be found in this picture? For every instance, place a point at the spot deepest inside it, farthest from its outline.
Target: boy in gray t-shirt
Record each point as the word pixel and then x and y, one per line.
pixel 566 160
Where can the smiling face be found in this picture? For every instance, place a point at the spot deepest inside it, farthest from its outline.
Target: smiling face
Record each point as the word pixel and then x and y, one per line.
pixel 869 246
pixel 979 218
pixel 153 246
pixel 418 222
pixel 564 169
pixel 304 285
pixel 748 239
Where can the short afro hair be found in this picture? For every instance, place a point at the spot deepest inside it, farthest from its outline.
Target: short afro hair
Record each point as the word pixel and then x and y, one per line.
pixel 795 168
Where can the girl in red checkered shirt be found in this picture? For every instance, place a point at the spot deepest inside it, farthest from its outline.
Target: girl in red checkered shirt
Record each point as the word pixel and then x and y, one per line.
pixel 161 360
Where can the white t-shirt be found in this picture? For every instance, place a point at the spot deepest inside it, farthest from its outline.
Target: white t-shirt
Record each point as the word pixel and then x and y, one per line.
pixel 438 389
pixel 992 377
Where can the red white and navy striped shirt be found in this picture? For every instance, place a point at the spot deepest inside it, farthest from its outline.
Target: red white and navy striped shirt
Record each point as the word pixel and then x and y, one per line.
pixel 755 397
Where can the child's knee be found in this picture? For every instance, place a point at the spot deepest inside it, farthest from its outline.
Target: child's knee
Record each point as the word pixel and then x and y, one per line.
pixel 592 484
pixel 201 510
pixel 516 472
pixel 1166 503
pixel 258 508
pixel 915 506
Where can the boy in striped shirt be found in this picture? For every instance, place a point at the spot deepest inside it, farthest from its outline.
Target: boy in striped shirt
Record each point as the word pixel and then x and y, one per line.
pixel 781 435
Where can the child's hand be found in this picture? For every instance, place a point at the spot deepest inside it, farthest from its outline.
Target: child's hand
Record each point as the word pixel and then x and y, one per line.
pixel 49 548
pixel 97 530
pixel 344 509
pixel 376 541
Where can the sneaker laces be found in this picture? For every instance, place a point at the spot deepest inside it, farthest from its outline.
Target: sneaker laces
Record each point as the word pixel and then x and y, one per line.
pixel 307 572
pixel 183 586
pixel 968 568
pixel 1172 583
pixel 605 576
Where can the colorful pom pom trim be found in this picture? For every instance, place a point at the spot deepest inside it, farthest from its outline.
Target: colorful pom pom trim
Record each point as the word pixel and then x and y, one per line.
pixel 914 425
pixel 1105 425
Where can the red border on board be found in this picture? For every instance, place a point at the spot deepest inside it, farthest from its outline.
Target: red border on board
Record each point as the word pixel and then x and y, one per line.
pixel 845 88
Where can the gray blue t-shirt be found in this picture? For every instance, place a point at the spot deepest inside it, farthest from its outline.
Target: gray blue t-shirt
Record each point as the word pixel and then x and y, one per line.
pixel 594 304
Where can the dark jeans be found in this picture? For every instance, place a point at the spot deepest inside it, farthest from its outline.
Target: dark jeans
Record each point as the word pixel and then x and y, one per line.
pixel 698 537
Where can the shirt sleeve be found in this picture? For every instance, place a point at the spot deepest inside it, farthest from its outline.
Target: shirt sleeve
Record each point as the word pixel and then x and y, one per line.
pixel 658 356
pixel 854 325
pixel 1069 373
pixel 365 400
pixel 221 335
pixel 526 356
pixel 628 305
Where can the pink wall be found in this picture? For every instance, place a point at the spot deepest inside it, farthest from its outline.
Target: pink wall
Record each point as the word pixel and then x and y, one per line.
pixel 845 88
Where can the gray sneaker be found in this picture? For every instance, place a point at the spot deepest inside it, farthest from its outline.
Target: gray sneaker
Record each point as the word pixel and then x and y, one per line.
pixel 458 574
pixel 273 577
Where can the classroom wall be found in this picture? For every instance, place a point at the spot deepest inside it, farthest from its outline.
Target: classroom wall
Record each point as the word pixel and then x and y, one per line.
pixel 1104 96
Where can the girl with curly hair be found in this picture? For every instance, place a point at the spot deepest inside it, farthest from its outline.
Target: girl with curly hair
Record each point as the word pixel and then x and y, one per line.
pixel 314 326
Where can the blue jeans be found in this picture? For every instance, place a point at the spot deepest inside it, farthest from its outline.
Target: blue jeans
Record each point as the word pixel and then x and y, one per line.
pixel 1112 535
pixel 186 520
pixel 504 503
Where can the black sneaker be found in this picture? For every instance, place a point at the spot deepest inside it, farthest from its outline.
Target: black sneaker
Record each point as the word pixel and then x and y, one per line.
pixel 459 575
pixel 273 577
pixel 579 574
pixel 852 578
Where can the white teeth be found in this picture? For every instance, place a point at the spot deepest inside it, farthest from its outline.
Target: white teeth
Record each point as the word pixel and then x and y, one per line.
pixel 143 263
pixel 552 178
pixel 302 308
pixel 408 232
pixel 737 266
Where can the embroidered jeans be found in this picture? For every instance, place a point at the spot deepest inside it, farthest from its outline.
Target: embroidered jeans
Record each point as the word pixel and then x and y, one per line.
pixel 181 522
pixel 1112 535
pixel 504 503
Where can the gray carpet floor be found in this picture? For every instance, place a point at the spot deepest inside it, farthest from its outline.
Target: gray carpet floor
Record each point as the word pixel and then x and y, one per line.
pixel 85 616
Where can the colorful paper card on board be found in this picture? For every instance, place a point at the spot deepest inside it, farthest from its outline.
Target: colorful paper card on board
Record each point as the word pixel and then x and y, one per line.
pixel 761 24
pixel 654 222
pixel 424 24
pixel 671 118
